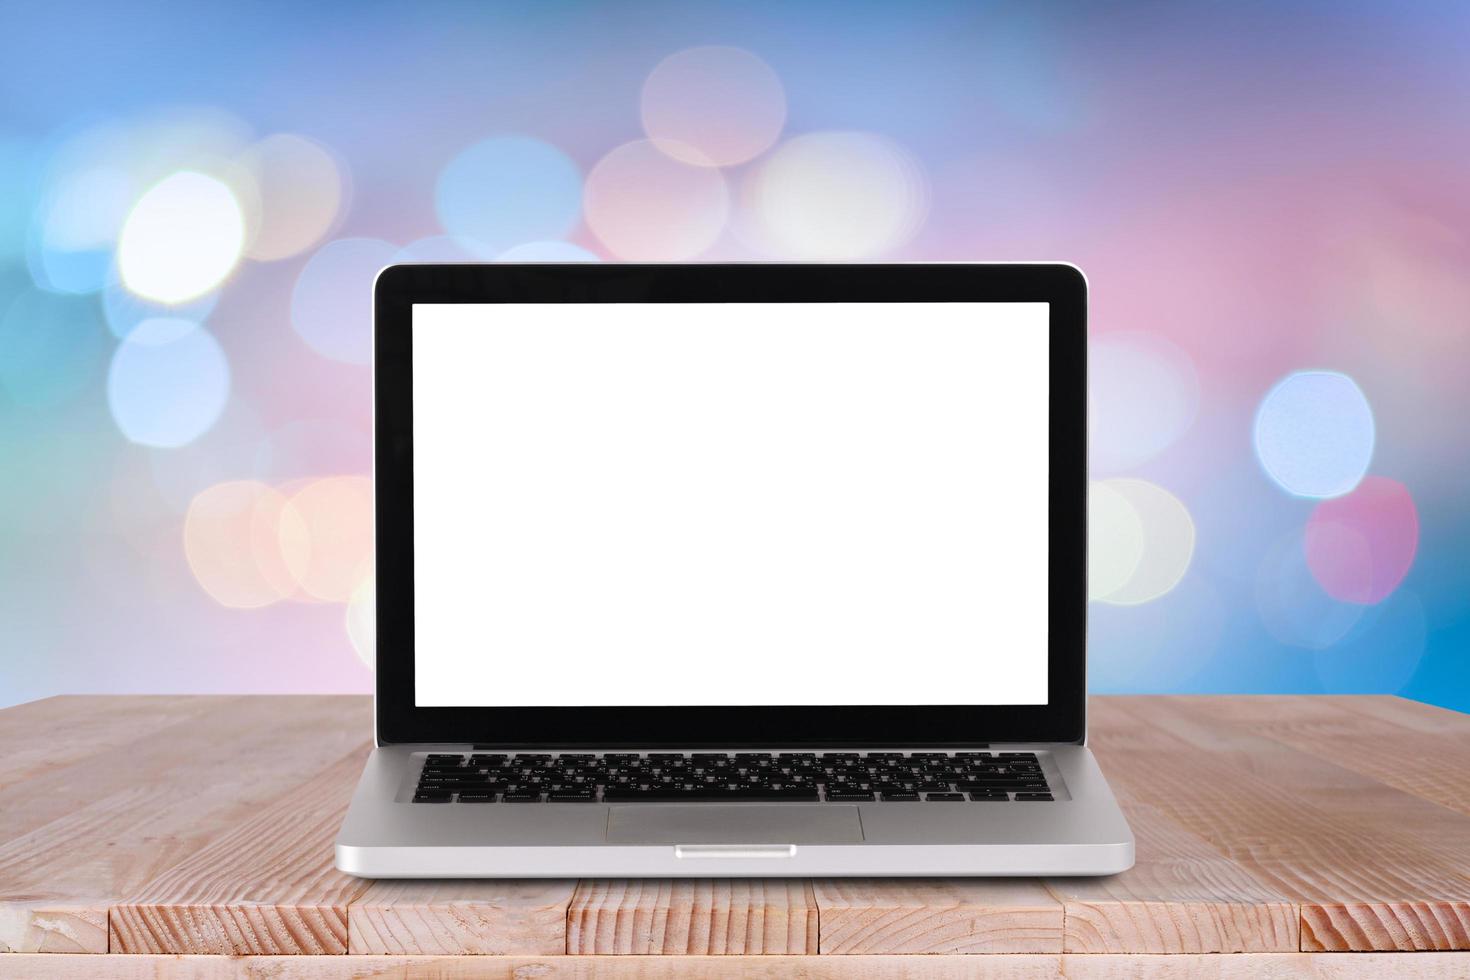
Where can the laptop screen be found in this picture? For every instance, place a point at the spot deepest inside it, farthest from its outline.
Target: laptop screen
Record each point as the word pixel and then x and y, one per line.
pixel 730 504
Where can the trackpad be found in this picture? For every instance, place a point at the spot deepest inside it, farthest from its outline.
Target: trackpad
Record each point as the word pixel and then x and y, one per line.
pixel 746 823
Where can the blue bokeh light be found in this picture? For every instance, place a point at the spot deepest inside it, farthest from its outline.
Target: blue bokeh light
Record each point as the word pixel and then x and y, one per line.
pixel 168 383
pixel 507 190
pixel 1314 434
pixel 332 304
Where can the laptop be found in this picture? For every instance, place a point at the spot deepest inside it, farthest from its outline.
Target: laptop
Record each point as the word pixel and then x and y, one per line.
pixel 731 570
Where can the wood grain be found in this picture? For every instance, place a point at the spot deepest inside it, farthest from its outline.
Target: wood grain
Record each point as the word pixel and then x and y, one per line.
pixel 93 723
pixel 936 915
pixel 84 834
pixel 720 916
pixel 1012 966
pixel 1371 736
pixel 267 885
pixel 1182 896
pixel 1371 867
pixel 1264 825
pixel 446 917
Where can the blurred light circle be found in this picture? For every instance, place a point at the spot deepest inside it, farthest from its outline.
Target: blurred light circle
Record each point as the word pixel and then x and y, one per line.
pixel 442 249
pixel 1143 393
pixel 547 252
pixel 1360 546
pixel 509 189
pixel 713 106
pixel 302 189
pixel 51 347
pixel 77 223
pixel 326 536
pixel 837 195
pixel 1168 541
pixel 646 206
pixel 332 304
pixel 1115 540
pixel 168 383
pixel 1381 655
pixel 1314 434
pixel 85 209
pixel 230 541
pixel 362 620
pixel 1292 604
pixel 182 238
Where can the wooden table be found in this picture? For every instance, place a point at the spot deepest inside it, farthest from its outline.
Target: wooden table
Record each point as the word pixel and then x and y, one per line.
pixel 195 834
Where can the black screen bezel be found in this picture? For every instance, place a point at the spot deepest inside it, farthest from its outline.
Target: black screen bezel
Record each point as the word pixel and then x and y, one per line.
pixel 1061 719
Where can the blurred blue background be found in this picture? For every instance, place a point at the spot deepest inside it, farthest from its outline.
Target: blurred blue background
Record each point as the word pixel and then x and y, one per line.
pixel 1269 199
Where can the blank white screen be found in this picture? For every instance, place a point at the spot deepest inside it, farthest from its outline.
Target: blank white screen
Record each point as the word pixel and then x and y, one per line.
pixel 650 504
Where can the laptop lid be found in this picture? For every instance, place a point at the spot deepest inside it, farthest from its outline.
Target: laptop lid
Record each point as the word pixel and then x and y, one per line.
pixel 730 504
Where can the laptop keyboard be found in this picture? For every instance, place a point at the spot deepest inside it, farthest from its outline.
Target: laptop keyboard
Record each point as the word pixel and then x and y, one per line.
pixel 936 777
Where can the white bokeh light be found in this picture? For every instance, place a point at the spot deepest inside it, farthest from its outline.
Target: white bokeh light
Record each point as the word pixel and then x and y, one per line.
pixel 332 304
pixel 646 206
pixel 836 195
pixel 1314 434
pixel 1143 394
pixel 1168 541
pixel 182 238
pixel 168 383
pixel 713 106
pixel 1114 540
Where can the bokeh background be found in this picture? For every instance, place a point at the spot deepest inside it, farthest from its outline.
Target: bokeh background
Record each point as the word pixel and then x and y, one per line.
pixel 1270 200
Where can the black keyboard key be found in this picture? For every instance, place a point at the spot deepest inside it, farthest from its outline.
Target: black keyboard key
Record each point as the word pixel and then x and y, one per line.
pixel 945 797
pixel 522 796
pixel 990 795
pixel 846 795
pixel 901 797
pixel 1035 797
pixel 477 797
pixel 430 796
pixel 570 797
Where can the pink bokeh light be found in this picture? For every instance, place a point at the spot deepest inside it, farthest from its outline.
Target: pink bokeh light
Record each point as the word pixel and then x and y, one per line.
pixel 1361 545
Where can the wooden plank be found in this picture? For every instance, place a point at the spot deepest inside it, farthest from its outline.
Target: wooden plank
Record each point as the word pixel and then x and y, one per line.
pixel 717 917
pixel 1182 896
pixel 265 885
pixel 80 837
pixel 936 915
pixel 34 742
pixel 450 917
pixel 1012 966
pixel 1372 736
pixel 1370 867
pixel 1414 715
